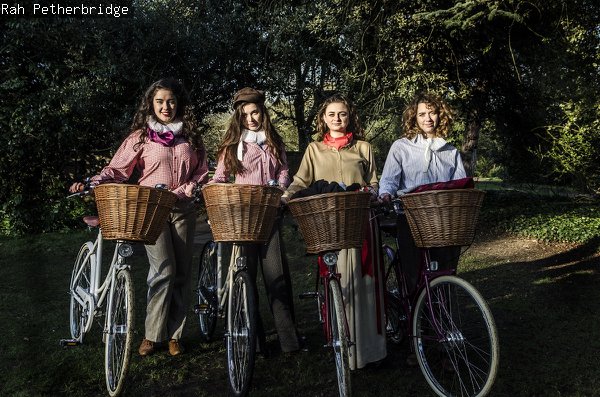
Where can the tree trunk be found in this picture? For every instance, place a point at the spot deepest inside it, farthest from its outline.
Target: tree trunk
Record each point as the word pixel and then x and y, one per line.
pixel 469 147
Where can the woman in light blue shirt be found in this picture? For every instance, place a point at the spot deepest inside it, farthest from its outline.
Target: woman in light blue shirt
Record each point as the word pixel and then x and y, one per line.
pixel 422 156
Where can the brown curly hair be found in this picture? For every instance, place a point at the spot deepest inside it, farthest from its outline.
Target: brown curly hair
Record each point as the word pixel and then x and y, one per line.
pixel 354 125
pixel 182 112
pixel 409 116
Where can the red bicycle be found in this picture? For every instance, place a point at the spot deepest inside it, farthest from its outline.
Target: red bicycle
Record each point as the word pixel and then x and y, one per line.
pixel 341 217
pixel 330 306
pixel 446 320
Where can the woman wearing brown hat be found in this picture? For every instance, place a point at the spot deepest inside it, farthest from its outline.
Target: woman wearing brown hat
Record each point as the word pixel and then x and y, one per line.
pixel 254 153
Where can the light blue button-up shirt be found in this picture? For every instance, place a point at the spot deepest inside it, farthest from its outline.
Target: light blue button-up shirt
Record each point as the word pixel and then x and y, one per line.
pixel 418 161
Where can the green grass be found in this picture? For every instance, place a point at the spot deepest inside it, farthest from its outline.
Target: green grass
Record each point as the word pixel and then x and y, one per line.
pixel 545 309
pixel 543 213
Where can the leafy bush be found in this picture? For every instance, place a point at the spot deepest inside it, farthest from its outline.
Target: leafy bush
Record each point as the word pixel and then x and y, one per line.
pixel 550 219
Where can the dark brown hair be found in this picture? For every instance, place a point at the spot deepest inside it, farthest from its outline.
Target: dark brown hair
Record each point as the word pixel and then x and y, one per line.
pixel 182 112
pixel 354 125
pixel 228 148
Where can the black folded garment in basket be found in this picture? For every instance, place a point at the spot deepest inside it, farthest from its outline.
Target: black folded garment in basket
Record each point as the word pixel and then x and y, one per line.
pixel 322 186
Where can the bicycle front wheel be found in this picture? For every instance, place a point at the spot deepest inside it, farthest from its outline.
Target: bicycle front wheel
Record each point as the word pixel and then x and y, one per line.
pixel 119 332
pixel 396 323
pixel 206 289
pixel 339 338
pixel 241 335
pixel 455 338
pixel 79 312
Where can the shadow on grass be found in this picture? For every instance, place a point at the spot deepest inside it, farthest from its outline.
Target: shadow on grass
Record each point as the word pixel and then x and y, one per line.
pixel 546 309
pixel 546 314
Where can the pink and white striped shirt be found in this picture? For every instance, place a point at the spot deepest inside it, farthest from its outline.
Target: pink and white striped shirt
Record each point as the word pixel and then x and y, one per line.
pixel 179 166
pixel 260 166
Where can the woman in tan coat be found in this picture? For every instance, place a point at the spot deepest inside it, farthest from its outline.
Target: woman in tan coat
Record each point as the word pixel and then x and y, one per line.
pixel 340 155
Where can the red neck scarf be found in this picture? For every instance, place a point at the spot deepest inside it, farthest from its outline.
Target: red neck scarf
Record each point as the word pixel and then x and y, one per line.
pixel 337 143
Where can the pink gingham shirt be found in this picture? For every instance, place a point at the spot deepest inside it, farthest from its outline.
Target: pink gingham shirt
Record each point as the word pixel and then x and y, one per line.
pixel 260 166
pixel 179 166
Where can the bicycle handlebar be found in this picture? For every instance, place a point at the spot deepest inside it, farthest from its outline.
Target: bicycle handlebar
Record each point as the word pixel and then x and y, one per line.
pixel 392 207
pixel 87 189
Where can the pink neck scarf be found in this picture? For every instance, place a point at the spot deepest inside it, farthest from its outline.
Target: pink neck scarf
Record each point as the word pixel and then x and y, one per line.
pixel 163 133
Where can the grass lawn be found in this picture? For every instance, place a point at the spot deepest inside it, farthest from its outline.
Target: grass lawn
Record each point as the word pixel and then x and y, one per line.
pixel 545 303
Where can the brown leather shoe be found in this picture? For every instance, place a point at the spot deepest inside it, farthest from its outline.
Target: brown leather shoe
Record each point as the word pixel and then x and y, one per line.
pixel 146 348
pixel 175 347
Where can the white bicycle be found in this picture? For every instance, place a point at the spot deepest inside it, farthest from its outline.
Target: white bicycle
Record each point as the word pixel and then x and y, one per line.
pixel 89 297
pixel 112 296
pixel 233 298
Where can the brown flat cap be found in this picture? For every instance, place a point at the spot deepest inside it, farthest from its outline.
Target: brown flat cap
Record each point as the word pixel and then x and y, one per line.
pixel 248 94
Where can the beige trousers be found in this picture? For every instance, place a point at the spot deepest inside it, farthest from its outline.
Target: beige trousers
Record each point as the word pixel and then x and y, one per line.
pixel 169 275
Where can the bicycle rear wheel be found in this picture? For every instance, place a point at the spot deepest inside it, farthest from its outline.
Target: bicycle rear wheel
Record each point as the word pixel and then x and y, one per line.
pixel 339 338
pixel 206 289
pixel 119 332
pixel 241 335
pixel 79 313
pixel 455 338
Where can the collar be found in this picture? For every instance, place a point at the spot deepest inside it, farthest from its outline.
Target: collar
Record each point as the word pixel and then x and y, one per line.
pixel 338 142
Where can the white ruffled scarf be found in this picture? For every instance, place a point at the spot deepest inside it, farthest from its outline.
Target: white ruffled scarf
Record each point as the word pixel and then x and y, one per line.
pixel 257 137
pixel 431 145
pixel 175 127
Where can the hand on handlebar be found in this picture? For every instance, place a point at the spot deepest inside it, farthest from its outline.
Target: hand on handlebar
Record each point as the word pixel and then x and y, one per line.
pixel 80 188
pixel 385 198
pixel 77 187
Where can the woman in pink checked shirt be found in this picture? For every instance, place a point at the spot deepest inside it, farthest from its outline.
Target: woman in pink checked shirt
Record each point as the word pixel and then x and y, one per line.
pixel 164 148
pixel 254 153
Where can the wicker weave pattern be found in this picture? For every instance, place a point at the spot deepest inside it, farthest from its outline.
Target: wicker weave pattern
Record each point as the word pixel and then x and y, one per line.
pixel 331 221
pixel 241 213
pixel 441 218
pixel 132 212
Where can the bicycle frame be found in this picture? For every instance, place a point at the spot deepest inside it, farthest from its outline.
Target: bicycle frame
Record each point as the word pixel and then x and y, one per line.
pixel 95 298
pixel 98 293
pixel 224 286
pixel 425 275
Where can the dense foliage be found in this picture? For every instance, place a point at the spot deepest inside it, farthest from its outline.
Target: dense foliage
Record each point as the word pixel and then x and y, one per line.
pixel 541 217
pixel 521 75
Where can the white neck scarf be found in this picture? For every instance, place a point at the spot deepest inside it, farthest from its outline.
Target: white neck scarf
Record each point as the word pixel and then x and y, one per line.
pixel 175 127
pixel 431 145
pixel 257 137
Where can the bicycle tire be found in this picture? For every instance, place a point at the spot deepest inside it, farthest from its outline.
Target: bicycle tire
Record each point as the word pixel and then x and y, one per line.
pixel 241 334
pixel 206 290
pixel 339 338
pixel 79 315
pixel 395 316
pixel 463 361
pixel 119 332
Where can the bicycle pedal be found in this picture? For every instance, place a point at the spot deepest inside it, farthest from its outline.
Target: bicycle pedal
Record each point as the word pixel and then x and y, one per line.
pixel 306 295
pixel 69 342
pixel 203 308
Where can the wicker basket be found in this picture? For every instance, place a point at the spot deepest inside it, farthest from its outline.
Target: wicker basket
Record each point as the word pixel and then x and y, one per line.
pixel 331 221
pixel 441 218
pixel 241 213
pixel 132 212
